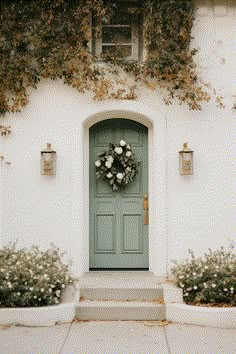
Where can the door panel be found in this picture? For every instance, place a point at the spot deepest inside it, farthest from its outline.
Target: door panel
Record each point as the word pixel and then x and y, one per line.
pixel 118 236
pixel 131 233
pixel 105 233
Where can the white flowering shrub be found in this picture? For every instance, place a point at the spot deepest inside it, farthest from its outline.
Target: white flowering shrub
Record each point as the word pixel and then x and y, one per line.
pixel 210 279
pixel 32 277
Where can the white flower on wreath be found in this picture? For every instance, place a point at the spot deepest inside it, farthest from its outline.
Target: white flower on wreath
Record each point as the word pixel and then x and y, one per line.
pixel 119 176
pixel 122 143
pixel 118 150
pixel 128 154
pixel 109 175
pixel 98 163
pixel 110 159
pixel 108 164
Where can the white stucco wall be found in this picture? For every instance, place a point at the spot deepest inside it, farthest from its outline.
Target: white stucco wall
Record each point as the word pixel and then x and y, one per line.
pixel 185 211
pixel 1 201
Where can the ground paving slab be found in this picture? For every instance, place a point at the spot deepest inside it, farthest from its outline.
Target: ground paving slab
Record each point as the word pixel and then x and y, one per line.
pixel 88 337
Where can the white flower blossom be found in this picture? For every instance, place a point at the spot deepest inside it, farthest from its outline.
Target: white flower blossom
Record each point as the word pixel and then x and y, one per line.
pixel 122 143
pixel 108 164
pixel 110 159
pixel 98 163
pixel 195 287
pixel 213 285
pixel 119 176
pixel 118 150
pixel 128 153
pixel 109 175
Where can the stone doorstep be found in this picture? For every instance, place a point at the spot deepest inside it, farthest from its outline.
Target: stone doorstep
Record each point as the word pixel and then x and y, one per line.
pixel 124 296
pixel 126 304
pixel 120 310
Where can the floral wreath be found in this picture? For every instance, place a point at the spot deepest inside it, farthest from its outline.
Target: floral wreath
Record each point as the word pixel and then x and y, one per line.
pixel 117 165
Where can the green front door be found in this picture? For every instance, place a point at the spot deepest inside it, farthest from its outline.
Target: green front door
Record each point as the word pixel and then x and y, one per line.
pixel 118 236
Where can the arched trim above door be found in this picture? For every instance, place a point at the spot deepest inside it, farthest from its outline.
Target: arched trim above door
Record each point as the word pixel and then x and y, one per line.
pixel 156 125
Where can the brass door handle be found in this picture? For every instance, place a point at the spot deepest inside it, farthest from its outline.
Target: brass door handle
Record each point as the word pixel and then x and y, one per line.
pixel 145 208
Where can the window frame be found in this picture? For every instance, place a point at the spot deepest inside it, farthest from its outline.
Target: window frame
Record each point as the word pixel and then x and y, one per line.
pixel 136 35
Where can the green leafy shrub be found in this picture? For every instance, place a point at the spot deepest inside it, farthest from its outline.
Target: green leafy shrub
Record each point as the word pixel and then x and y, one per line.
pixel 210 279
pixel 32 277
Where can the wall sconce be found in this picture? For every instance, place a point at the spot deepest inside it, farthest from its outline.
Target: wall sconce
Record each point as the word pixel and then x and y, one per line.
pixel 186 160
pixel 48 161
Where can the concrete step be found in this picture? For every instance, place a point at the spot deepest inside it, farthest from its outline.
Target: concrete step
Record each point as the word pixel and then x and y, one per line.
pixel 122 294
pixel 120 310
pixel 119 280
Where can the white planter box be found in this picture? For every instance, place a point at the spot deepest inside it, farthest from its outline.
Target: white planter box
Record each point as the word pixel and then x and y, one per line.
pixel 203 316
pixel 43 315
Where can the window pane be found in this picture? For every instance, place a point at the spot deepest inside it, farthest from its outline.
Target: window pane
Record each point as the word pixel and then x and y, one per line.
pixel 116 35
pixel 121 18
pixel 118 50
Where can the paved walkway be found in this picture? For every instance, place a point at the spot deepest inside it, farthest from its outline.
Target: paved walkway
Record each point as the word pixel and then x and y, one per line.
pixel 117 337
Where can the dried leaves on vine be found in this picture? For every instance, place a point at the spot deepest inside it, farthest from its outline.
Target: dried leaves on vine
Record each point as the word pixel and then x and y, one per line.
pixel 52 39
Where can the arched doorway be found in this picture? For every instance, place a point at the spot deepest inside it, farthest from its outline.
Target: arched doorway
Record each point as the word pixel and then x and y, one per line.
pixel 118 235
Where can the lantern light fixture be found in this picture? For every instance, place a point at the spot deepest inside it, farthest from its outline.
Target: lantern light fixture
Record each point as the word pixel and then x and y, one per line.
pixel 186 160
pixel 48 161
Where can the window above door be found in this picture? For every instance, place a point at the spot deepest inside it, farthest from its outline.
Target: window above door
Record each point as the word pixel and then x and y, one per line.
pixel 122 35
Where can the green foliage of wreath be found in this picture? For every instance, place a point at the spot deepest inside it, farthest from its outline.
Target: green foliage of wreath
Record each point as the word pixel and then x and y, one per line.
pixel 117 165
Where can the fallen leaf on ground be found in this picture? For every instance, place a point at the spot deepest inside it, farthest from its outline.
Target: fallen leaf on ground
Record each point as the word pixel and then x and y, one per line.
pixel 4 328
pixel 77 320
pixel 157 323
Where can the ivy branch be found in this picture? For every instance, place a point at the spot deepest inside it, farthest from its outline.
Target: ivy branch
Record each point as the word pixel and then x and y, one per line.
pixel 51 39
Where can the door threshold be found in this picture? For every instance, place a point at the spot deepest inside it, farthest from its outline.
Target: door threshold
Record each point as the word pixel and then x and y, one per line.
pixel 118 269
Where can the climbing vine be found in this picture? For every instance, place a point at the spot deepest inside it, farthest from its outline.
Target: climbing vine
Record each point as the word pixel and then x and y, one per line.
pixel 51 39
